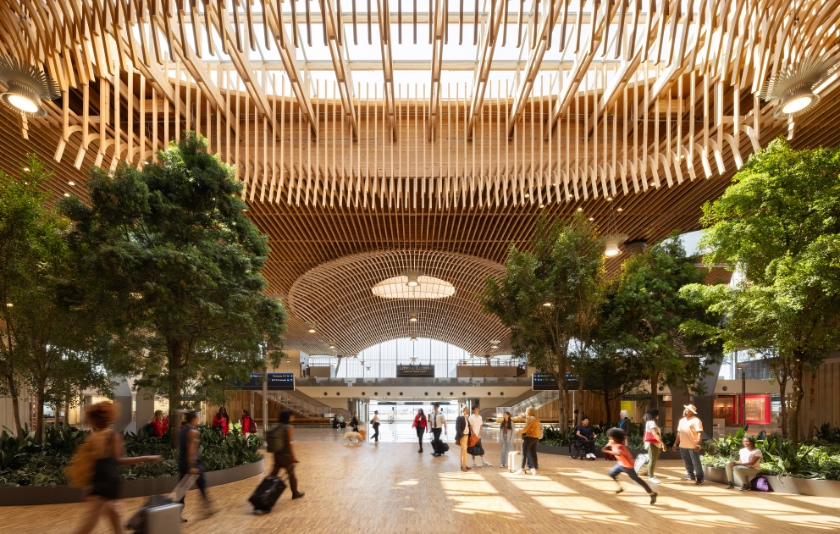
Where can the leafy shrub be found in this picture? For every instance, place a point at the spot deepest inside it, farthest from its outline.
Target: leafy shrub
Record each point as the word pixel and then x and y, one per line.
pixel 22 463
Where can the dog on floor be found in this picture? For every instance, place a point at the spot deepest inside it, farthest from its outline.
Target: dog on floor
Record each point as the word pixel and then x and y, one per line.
pixel 353 437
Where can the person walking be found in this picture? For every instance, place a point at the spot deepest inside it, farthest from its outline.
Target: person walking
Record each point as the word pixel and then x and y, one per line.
pixel 156 424
pixel 354 422
pixel 747 466
pixel 221 422
pixel 437 423
pixel 284 456
pixel 102 477
pixel 420 424
pixel 653 442
pixel 375 424
pixel 462 435
pixel 506 437
pixel 624 425
pixel 532 432
pixel 624 462
pixel 689 439
pixel 189 441
pixel 248 425
pixel 476 423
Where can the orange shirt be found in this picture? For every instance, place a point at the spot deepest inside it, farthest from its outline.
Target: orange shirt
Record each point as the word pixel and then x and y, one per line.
pixel 623 456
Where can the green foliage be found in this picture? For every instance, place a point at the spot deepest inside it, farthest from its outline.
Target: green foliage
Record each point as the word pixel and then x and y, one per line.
pixel 657 324
pixel 828 434
pixel 166 257
pixel 23 463
pixel 779 222
pixel 781 456
pixel 549 295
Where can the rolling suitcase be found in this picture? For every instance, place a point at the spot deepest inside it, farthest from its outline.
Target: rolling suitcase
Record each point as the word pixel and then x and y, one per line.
pixel 267 493
pixel 162 513
pixel 514 460
pixel 439 446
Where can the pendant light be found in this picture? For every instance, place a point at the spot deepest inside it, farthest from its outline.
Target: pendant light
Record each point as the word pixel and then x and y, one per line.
pixel 613 240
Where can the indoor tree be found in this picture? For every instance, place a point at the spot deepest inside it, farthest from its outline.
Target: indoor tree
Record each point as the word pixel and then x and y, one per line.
pixel 167 257
pixel 657 324
pixel 549 296
pixel 779 222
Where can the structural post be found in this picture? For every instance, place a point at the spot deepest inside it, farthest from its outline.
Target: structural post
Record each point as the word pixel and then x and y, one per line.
pixel 265 402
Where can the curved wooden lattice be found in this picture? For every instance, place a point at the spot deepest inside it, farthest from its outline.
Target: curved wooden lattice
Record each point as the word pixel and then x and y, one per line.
pixel 336 299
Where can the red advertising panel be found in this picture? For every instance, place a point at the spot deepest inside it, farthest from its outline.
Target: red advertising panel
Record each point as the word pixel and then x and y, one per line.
pixel 757 409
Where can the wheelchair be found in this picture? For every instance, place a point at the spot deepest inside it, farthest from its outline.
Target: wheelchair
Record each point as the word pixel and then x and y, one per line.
pixel 578 449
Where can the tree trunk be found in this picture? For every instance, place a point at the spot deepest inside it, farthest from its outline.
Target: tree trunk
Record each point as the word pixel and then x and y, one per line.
pixel 67 400
pixel 176 379
pixel 796 399
pixel 607 406
pixel 812 412
pixel 15 395
pixel 784 407
pixel 39 410
pixel 654 391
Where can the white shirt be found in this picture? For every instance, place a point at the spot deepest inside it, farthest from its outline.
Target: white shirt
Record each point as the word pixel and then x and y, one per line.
pixel 475 424
pixel 437 420
pixel 375 419
pixel 691 432
pixel 749 457
pixel 650 426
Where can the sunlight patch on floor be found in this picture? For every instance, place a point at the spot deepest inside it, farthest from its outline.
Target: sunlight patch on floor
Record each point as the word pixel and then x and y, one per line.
pixel 472 494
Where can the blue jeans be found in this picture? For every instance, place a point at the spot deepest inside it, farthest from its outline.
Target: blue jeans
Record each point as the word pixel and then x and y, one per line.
pixel 691 459
pixel 618 469
pixel 507 446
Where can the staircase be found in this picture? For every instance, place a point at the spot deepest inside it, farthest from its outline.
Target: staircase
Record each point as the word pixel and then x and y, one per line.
pixel 307 409
pixel 518 405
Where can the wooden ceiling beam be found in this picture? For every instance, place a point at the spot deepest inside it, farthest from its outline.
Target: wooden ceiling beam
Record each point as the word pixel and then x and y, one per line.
pixel 487 48
pixel 438 34
pixel 335 42
pixel 384 18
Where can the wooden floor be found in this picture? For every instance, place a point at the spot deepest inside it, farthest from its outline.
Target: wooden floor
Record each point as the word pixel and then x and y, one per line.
pixel 390 488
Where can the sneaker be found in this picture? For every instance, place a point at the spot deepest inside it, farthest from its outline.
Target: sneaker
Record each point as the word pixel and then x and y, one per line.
pixel 653 498
pixel 699 482
pixel 533 471
pixel 485 463
pixel 730 485
pixel 619 490
pixel 502 467
pixel 746 488
pixel 475 464
pixel 688 478
pixel 653 480
pixel 298 495
pixel 517 472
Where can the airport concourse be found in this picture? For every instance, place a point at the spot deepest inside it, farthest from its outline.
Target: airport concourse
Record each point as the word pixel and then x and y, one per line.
pixel 336 266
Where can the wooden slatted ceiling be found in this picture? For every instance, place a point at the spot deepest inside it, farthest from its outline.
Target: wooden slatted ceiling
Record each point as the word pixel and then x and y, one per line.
pixel 656 116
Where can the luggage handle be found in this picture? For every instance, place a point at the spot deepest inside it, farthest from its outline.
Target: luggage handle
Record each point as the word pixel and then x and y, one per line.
pixel 183 486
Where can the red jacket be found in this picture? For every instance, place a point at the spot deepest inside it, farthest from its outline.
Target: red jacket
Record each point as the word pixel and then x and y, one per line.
pixel 420 422
pixel 159 427
pixel 223 421
pixel 246 425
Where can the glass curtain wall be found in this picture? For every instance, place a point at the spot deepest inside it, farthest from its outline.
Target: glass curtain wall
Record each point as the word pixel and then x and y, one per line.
pixel 380 361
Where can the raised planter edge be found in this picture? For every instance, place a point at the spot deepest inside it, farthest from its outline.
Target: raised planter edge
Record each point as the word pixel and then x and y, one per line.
pixel 564 451
pixel 789 485
pixel 35 495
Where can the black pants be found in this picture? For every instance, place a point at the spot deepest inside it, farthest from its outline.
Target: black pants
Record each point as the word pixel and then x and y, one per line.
pixel 529 446
pixel 285 461
pixel 420 432
pixel 201 482
pixel 436 432
pixel 375 431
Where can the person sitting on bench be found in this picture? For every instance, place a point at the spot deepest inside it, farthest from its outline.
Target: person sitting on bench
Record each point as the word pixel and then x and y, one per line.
pixel 748 466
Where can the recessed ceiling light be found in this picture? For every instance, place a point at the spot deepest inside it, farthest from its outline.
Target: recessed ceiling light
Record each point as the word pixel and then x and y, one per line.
pixel 609 199
pixel 412 317
pixel 547 304
pixel 71 183
pixel 332 347
pixel 542 206
pixel 67 195
pixel 494 347
pixel 526 195
pixel 619 209
pixel 311 329
pixel 591 219
pixel 9 305
pixel 580 209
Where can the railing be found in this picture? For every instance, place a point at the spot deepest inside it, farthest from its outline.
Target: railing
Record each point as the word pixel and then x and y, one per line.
pixel 518 405
pixel 409 382
pixel 306 405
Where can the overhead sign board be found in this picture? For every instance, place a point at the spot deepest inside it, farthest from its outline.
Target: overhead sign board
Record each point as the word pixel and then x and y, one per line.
pixel 545 382
pixel 276 382
pixel 409 371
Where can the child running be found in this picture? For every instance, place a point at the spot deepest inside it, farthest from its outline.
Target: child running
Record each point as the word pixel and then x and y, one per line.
pixel 624 463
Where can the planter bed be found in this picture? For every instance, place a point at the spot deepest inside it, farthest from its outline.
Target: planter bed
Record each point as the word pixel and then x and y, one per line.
pixel 790 485
pixel 32 495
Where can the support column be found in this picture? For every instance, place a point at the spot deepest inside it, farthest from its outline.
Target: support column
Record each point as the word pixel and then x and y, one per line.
pixel 145 406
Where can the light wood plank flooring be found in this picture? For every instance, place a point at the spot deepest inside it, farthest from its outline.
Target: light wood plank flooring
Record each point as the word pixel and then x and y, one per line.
pixel 390 488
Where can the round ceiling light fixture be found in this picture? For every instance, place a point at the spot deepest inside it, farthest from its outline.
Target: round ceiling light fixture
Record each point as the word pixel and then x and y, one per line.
pixel 795 87
pixel 27 86
pixel 611 249
pixel 412 317
pixel 400 287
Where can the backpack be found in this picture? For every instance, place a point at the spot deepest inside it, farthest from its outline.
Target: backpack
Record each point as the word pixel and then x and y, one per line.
pixel 641 464
pixel 760 483
pixel 218 427
pixel 277 439
pixel 252 426
pixel 79 472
